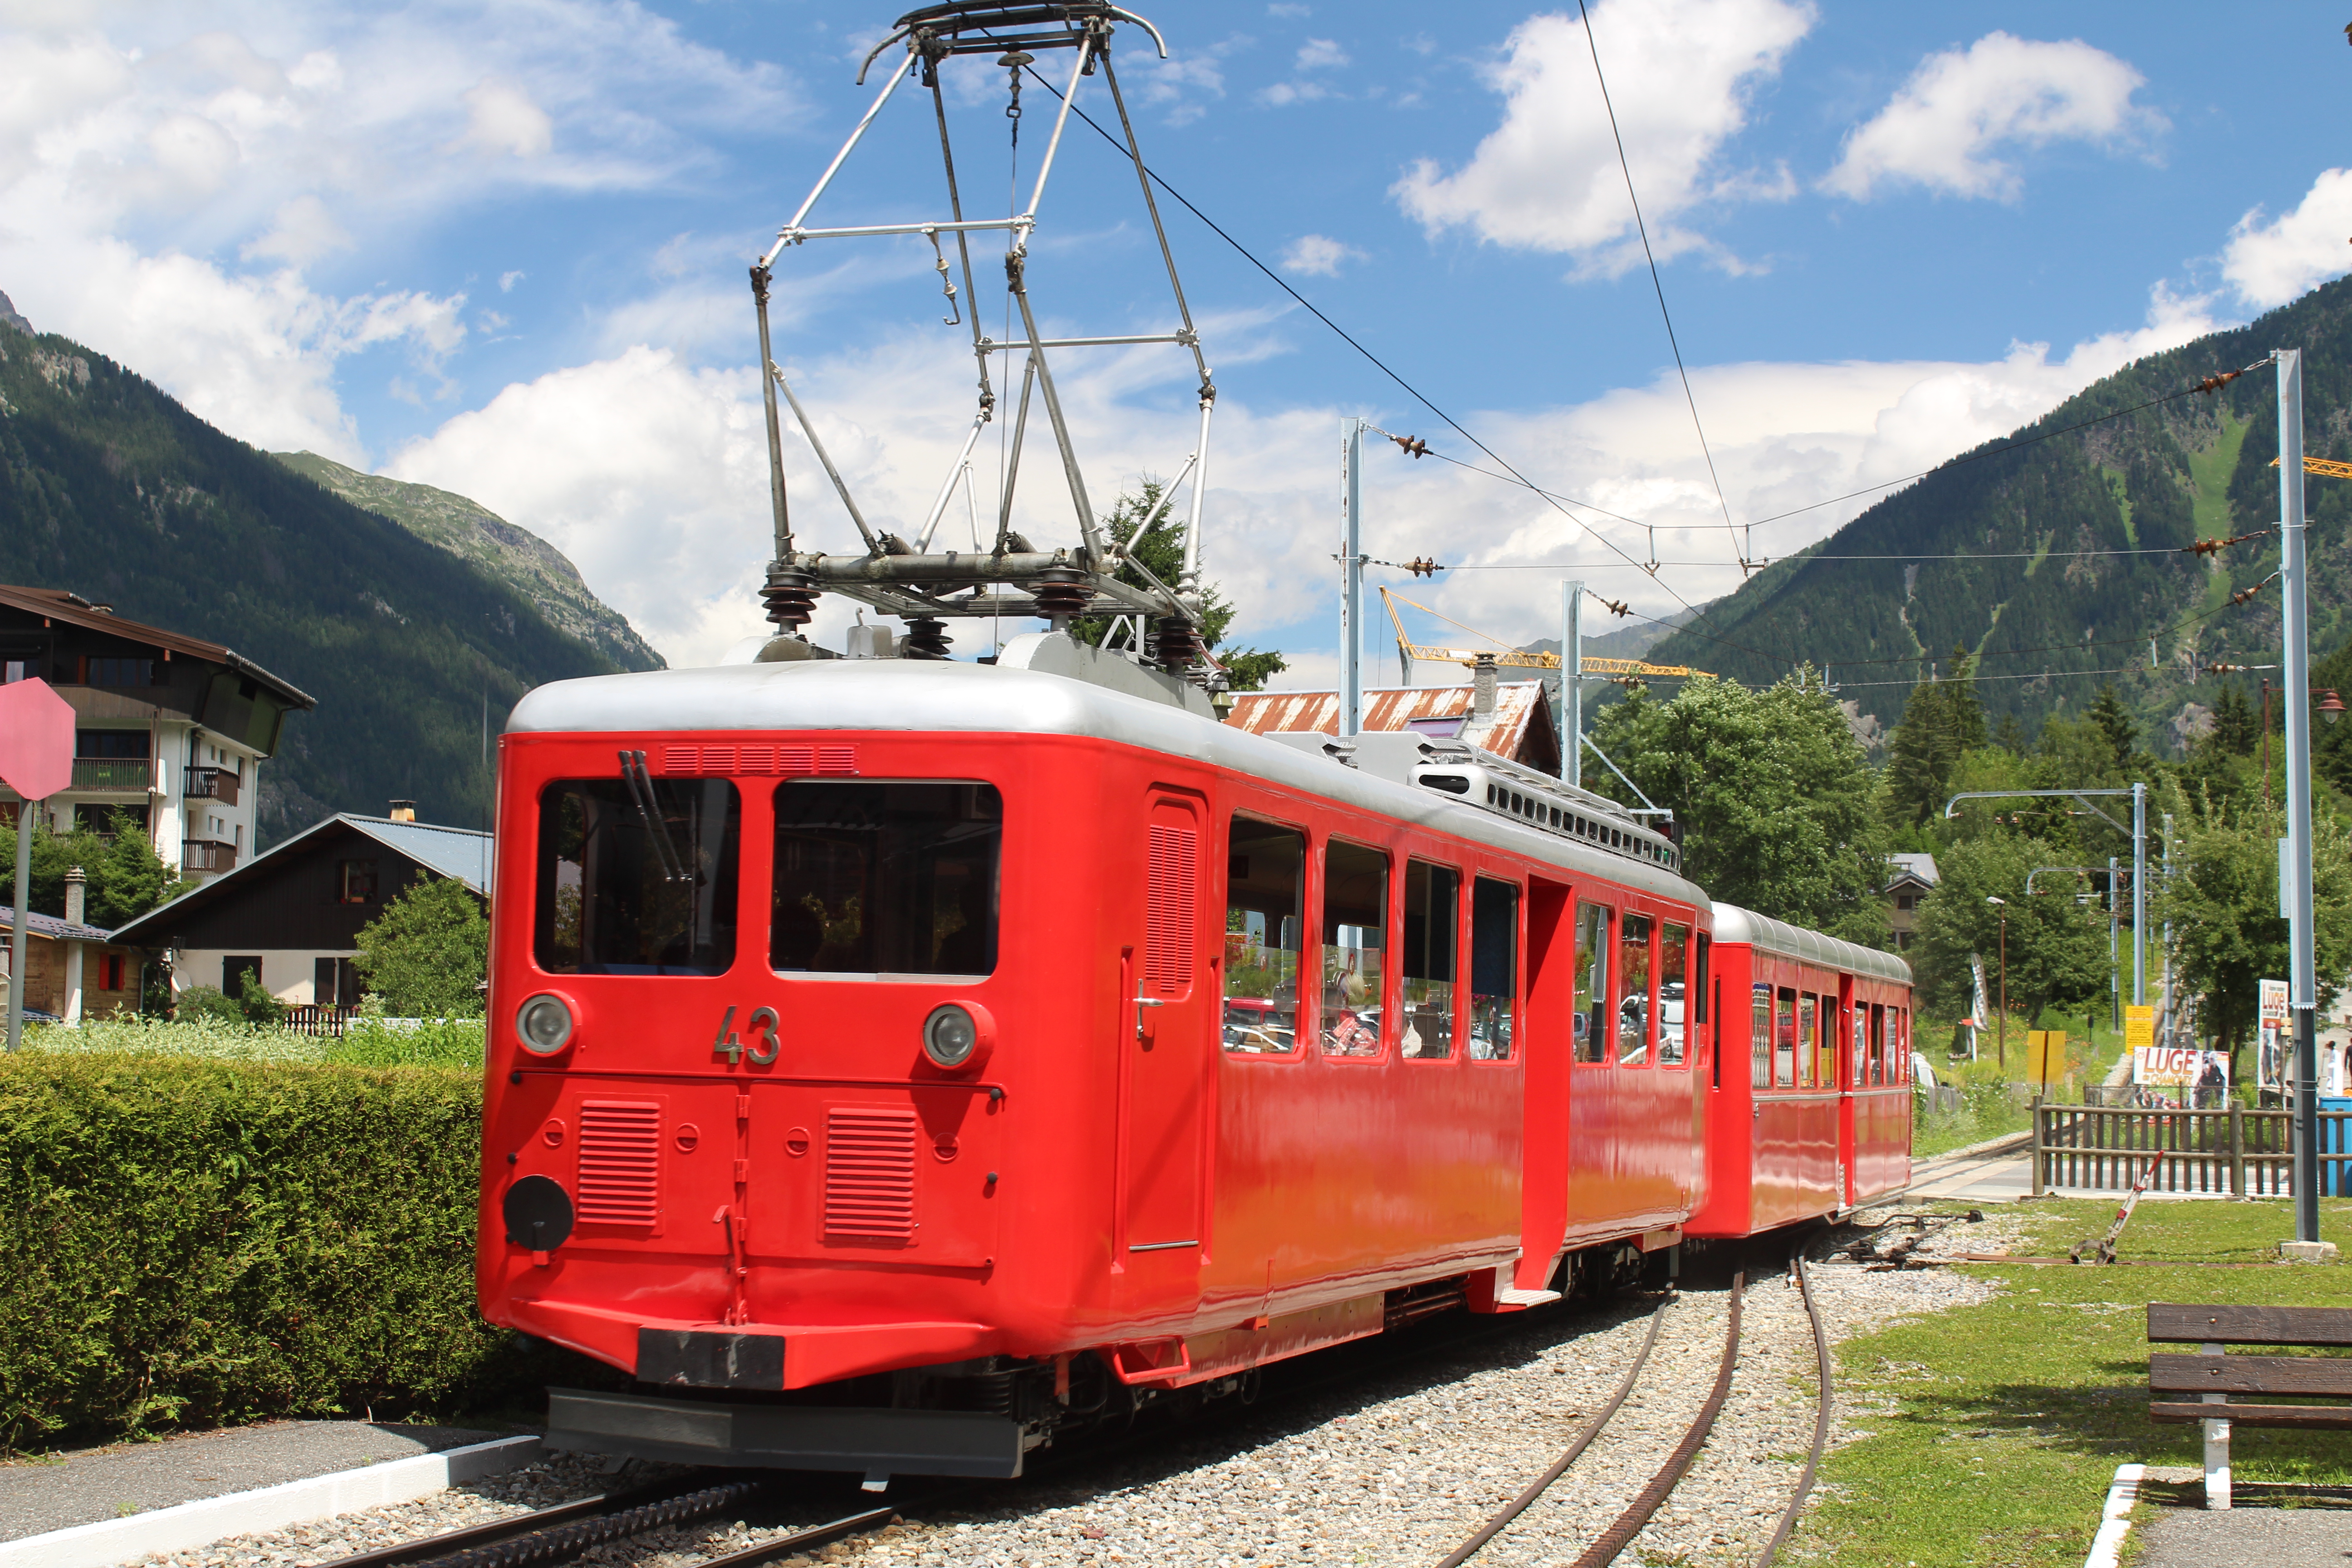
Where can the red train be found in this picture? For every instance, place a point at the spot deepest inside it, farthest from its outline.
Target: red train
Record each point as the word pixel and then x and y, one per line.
pixel 900 1065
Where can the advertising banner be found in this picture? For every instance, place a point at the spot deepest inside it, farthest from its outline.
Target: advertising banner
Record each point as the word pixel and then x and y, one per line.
pixel 2182 1075
pixel 2272 1039
pixel 2139 1026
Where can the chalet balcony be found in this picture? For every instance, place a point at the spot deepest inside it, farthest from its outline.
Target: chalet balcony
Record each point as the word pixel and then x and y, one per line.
pixel 213 783
pixel 204 855
pixel 127 775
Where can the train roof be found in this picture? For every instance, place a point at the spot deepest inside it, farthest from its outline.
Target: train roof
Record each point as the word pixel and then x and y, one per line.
pixel 1766 934
pixel 957 697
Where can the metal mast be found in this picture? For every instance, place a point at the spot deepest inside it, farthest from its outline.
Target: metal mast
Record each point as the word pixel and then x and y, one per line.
pixel 1006 576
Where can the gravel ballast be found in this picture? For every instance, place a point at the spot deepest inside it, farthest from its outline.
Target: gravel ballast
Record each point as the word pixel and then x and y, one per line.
pixel 1395 1466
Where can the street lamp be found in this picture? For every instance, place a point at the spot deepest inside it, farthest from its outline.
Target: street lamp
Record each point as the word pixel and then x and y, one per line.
pixel 2001 908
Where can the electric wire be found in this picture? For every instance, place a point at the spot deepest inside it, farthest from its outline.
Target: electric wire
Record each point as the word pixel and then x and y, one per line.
pixel 1510 474
pixel 1643 226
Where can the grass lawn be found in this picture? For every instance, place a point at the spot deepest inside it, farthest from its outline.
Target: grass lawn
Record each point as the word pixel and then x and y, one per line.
pixel 1995 1429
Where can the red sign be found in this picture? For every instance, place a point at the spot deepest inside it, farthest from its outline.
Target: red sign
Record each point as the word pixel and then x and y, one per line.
pixel 36 739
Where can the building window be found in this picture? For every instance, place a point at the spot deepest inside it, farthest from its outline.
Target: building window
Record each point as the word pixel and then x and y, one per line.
pixel 111 743
pixel 235 968
pixel 334 983
pixel 112 972
pixel 358 881
pixel 99 817
pixel 117 672
pixel 1905 900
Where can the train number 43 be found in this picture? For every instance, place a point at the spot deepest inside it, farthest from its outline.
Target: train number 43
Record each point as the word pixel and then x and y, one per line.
pixel 764 1047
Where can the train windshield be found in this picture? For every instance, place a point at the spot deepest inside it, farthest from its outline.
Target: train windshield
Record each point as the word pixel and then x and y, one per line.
pixel 885 877
pixel 637 875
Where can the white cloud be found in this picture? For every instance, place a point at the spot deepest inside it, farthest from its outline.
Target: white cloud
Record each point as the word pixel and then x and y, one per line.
pixel 1320 54
pixel 1681 73
pixel 2270 263
pixel 501 120
pixel 1319 256
pixel 1943 127
pixel 303 233
pixel 222 132
pixel 651 475
pixel 507 280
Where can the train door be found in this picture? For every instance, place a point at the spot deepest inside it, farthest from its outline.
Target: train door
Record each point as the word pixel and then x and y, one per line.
pixel 1163 1032
pixel 1853 1018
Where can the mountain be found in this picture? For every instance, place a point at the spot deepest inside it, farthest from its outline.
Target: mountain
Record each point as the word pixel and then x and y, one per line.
pixel 2013 551
pixel 498 548
pixel 109 488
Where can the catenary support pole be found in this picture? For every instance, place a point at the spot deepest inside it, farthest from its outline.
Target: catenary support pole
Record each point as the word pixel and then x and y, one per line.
pixel 2115 950
pixel 25 812
pixel 2139 895
pixel 1571 683
pixel 2293 597
pixel 1351 576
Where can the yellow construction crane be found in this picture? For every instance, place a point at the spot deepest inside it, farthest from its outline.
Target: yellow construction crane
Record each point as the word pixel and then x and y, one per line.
pixel 1510 657
pixel 2325 466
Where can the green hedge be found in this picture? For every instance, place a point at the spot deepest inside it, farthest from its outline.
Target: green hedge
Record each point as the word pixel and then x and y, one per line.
pixel 190 1242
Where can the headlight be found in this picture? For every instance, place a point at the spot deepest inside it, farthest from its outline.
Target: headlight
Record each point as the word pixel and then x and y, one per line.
pixel 543 1024
pixel 949 1035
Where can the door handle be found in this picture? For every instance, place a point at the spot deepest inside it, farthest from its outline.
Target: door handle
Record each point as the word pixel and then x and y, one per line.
pixel 1141 1004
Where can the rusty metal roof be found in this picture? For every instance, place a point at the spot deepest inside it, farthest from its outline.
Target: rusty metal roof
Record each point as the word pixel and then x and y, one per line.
pixel 1521 728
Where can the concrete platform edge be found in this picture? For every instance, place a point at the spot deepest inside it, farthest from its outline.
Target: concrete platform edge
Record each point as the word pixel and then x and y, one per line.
pixel 2114 1520
pixel 192 1525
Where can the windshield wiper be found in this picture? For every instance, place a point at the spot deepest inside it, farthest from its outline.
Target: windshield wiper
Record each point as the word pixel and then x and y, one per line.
pixel 641 790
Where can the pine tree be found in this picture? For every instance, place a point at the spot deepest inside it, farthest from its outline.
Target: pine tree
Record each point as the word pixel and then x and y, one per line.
pixel 1161 551
pixel 2236 731
pixel 1942 720
pixel 2107 713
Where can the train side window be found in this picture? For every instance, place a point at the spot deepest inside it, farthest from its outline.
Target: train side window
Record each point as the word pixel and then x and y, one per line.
pixel 885 877
pixel 1676 1001
pixel 1266 869
pixel 1899 1046
pixel 1858 1072
pixel 1634 1001
pixel 1808 1022
pixel 632 886
pixel 1759 1035
pixel 1784 1038
pixel 1825 1044
pixel 1591 982
pixel 1433 923
pixel 1355 932
pixel 1877 1025
pixel 1493 968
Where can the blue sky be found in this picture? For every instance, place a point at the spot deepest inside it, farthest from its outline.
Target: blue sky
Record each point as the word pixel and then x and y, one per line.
pixel 501 248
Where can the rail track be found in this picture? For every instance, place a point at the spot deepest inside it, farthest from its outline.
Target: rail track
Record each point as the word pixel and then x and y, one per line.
pixel 1621 1531
pixel 554 1535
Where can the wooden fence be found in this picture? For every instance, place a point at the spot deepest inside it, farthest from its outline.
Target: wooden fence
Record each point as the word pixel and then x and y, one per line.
pixel 2231 1152
pixel 307 1018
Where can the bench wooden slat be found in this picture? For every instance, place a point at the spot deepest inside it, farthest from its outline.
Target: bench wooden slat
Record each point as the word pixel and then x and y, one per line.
pixel 2250 1374
pixel 2319 1416
pixel 2172 1323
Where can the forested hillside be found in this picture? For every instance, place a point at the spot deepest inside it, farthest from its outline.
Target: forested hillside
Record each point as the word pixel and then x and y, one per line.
pixel 2025 557
pixel 110 488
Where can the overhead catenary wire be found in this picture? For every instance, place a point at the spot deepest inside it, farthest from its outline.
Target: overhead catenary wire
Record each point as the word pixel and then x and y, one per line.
pixel 1642 226
pixel 2206 385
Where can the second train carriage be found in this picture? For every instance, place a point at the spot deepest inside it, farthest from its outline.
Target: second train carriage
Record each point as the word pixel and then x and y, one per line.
pixel 902 1062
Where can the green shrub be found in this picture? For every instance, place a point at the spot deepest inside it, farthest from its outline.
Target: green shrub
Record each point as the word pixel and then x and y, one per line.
pixel 427 955
pixel 260 1008
pixel 370 1041
pixel 208 1002
pixel 223 1037
pixel 189 1241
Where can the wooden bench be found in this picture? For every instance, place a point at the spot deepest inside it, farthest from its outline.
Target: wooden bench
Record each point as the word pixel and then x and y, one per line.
pixel 2207 1386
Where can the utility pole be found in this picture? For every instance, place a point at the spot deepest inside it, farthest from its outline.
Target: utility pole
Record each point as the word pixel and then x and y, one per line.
pixel 2171 1001
pixel 2139 895
pixel 2302 1002
pixel 1351 576
pixel 1571 683
pixel 2114 960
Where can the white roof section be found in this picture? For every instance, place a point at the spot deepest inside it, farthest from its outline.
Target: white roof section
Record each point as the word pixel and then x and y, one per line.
pixel 1922 867
pixel 952 698
pixel 456 852
pixel 1766 934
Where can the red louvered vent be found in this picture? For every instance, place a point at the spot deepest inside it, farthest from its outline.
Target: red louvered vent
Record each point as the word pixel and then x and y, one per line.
pixel 686 762
pixel 869 1173
pixel 1168 908
pixel 620 1161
